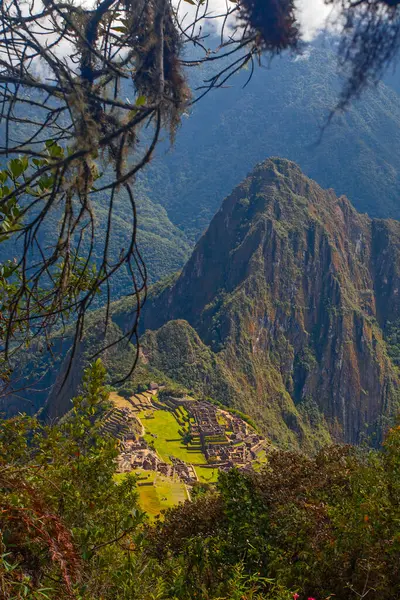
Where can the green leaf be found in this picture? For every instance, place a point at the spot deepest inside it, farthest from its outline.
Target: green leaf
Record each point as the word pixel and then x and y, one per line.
pixel 25 162
pixel 4 191
pixel 16 167
pixel 40 162
pixel 45 182
pixel 54 149
pixel 140 101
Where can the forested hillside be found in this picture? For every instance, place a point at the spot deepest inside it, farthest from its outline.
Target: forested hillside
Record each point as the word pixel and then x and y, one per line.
pixel 280 113
pixel 287 310
pixel 295 292
pixel 163 245
pixel 300 528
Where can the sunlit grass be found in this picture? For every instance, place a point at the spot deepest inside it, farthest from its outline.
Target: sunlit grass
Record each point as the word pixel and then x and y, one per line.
pixel 207 474
pixel 168 441
pixel 157 492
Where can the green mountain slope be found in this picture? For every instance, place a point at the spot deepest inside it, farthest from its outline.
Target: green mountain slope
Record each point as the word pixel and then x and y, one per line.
pixel 293 290
pixel 163 246
pixel 287 310
pixel 280 113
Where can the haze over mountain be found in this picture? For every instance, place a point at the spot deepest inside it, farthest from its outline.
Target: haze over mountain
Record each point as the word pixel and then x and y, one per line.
pixel 281 113
pixel 285 305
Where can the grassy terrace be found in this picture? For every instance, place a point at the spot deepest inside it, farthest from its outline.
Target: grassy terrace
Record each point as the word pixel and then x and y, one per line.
pixel 206 474
pixel 119 401
pixel 168 441
pixel 157 492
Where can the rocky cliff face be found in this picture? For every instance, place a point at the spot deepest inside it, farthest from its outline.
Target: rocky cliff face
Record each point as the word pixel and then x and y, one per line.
pixel 288 309
pixel 293 290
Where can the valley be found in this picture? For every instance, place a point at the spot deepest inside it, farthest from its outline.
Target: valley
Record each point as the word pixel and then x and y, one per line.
pixel 279 113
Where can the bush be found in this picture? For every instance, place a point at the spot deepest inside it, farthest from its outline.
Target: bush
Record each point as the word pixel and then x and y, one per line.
pixel 142 387
pixel 127 391
pixel 323 527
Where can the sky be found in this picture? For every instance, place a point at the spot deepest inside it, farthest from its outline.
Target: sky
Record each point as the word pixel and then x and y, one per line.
pixel 313 14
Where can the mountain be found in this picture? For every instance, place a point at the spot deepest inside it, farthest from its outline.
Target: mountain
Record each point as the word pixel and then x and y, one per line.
pixel 288 310
pixel 281 112
pixel 294 291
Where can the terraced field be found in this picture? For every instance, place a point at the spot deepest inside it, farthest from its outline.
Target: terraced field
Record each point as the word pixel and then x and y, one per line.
pixel 206 474
pixel 119 401
pixel 166 427
pixel 156 492
pixel 163 430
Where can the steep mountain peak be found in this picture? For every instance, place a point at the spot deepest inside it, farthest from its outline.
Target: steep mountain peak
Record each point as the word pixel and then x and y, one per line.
pixel 288 310
pixel 282 183
pixel 289 286
pixel 275 207
pixel 280 168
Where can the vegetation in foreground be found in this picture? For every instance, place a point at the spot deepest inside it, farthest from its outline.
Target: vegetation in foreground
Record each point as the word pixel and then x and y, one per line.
pixel 302 527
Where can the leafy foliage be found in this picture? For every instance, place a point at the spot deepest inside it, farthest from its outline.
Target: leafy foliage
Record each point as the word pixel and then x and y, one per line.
pixel 322 527
pixel 300 528
pixel 61 509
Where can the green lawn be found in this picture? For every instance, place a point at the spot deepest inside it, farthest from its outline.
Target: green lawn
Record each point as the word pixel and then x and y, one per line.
pixel 168 441
pixel 119 401
pixel 207 475
pixel 261 460
pixel 164 493
pixel 221 419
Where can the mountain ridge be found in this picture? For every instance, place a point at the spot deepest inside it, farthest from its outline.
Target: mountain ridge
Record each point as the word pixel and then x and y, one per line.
pixel 283 111
pixel 286 310
pixel 300 243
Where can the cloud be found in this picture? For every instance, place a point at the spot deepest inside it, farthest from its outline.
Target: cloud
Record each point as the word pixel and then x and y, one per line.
pixel 313 15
